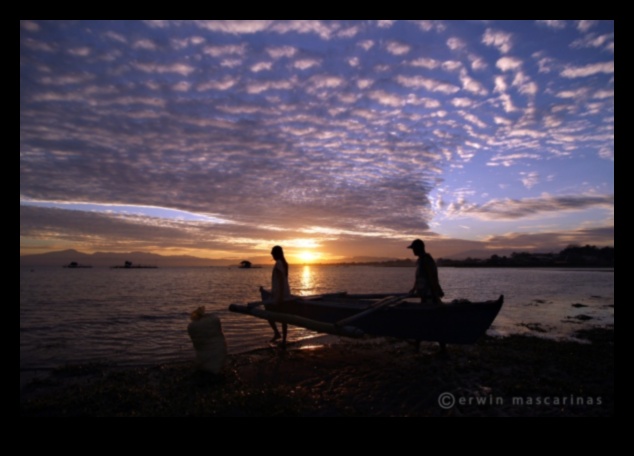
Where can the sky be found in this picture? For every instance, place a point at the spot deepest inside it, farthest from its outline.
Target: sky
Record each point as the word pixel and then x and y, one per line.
pixel 333 139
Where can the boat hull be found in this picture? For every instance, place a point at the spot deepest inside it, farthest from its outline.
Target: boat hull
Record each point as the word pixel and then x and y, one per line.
pixel 456 323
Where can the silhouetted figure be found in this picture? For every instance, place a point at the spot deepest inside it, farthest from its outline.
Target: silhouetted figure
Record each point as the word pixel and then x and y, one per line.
pixel 426 284
pixel 280 290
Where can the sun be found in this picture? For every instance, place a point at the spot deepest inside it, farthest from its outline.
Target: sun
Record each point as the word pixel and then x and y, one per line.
pixel 308 257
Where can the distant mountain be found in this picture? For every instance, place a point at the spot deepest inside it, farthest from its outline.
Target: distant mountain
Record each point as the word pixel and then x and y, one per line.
pixel 109 259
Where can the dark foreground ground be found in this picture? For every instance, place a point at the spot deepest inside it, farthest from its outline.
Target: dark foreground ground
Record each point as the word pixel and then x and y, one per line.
pixel 513 376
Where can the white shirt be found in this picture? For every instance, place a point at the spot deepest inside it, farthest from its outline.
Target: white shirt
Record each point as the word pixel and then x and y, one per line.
pixel 279 271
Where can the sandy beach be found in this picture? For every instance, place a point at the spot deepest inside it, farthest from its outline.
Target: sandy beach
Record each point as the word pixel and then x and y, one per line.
pixel 498 377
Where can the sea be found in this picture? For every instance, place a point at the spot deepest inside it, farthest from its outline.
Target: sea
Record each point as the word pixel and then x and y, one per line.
pixel 137 317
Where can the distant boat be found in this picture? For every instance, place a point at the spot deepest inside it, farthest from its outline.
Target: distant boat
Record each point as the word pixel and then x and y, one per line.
pixel 129 265
pixel 74 264
pixel 248 265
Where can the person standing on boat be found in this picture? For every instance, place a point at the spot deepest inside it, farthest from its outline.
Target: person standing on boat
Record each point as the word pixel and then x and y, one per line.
pixel 280 290
pixel 426 285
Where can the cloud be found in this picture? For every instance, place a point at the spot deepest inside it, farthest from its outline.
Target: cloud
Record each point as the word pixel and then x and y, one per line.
pixel 425 62
pixel 551 241
pixel 285 125
pixel 553 24
pixel 30 26
pixel 594 41
pixel 396 48
pixel 366 44
pixel 277 52
pixel 428 26
pixel 386 98
pixel 218 84
pixel 472 85
pixel 503 41
pixel 223 50
pixel 385 24
pixel 177 68
pixel 451 65
pixel 508 209
pixel 588 70
pixel 530 179
pixel 325 30
pixel 429 84
pixel 261 66
pixel 524 84
pixel 304 64
pixel 581 92
pixel 473 119
pixel 607 153
pixel 82 51
pixel 456 44
pixel 90 231
pixel 234 27
pixel 509 63
pixel 584 26
pixel 462 102
pixel 478 63
pixel 145 44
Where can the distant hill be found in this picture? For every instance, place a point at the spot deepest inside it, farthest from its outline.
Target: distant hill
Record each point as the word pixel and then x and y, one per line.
pixel 108 259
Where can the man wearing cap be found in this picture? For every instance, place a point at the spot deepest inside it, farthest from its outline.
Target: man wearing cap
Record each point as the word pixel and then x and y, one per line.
pixel 426 284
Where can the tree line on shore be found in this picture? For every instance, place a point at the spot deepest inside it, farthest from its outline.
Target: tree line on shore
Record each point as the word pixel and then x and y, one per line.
pixel 573 255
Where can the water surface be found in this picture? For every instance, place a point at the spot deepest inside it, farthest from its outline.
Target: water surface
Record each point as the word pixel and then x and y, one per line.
pixel 140 316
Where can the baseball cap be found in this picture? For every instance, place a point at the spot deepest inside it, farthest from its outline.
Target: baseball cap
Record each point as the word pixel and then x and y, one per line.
pixel 416 242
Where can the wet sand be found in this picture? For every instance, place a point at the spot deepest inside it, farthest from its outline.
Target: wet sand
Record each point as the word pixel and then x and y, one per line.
pixel 511 376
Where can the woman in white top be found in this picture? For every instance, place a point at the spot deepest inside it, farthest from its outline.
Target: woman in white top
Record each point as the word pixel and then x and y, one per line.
pixel 280 290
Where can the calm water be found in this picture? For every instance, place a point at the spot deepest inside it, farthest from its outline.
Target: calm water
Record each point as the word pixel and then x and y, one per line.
pixel 140 316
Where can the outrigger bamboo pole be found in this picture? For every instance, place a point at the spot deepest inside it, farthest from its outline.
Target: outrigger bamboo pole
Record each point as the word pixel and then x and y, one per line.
pixel 314 325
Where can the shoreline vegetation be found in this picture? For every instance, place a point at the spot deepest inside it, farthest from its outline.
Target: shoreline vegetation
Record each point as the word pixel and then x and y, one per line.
pixel 497 376
pixel 571 256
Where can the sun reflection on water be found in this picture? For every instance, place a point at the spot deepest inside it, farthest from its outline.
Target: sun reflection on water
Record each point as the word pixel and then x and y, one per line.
pixel 306 281
pixel 311 347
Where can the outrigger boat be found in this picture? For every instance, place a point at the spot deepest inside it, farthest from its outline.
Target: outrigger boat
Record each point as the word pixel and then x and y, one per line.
pixel 395 315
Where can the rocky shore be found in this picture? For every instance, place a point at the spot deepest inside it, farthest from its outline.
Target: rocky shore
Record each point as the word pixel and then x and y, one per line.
pixel 497 377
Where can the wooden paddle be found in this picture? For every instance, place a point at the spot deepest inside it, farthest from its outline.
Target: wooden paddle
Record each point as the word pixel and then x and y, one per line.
pixel 373 308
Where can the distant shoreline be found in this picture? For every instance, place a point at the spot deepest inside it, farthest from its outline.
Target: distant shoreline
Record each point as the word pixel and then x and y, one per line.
pixel 571 256
pixel 475 266
pixel 342 265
